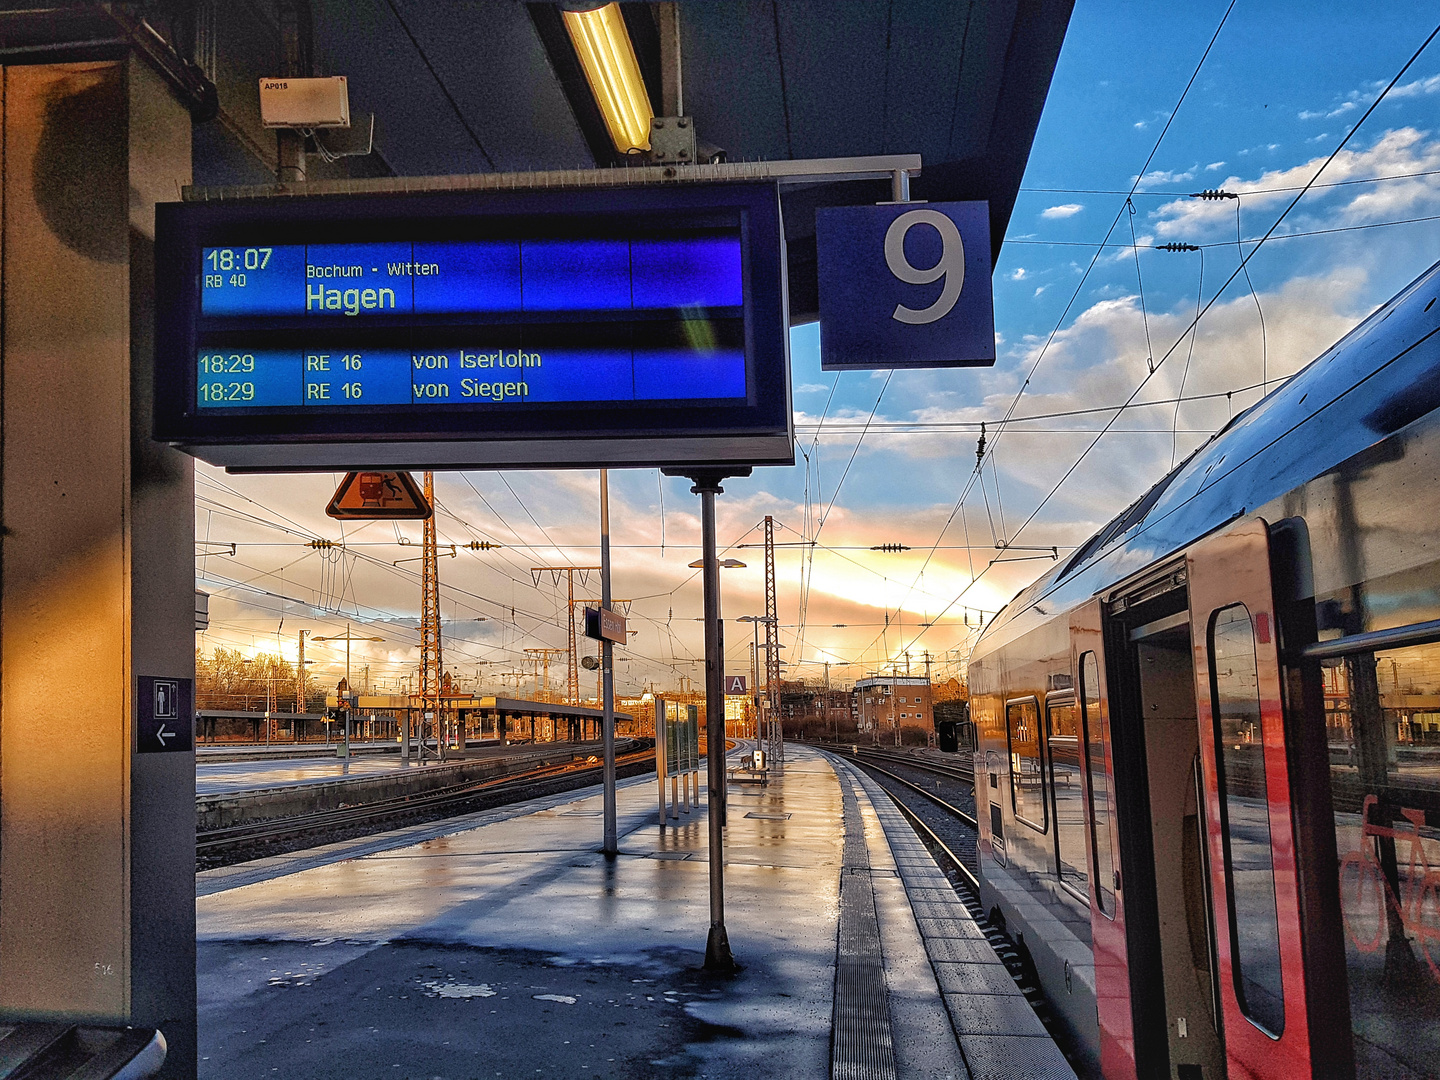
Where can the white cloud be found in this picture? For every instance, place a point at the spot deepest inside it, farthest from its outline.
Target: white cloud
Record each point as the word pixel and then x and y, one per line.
pixel 1355 98
pixel 1018 274
pixel 1329 114
pixel 1065 210
pixel 1040 290
pixel 811 388
pixel 1101 358
pixel 1141 125
pixel 1165 176
pixel 1396 152
pixel 1214 165
pixel 1429 85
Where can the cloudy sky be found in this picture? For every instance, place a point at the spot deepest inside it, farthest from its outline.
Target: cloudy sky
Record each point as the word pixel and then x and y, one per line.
pixel 1080 327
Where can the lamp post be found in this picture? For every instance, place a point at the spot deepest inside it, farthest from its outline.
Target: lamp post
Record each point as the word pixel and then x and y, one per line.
pixel 755 621
pixel 706 484
pixel 723 564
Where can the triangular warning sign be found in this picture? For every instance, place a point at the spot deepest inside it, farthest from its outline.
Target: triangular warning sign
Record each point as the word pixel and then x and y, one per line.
pixel 372 495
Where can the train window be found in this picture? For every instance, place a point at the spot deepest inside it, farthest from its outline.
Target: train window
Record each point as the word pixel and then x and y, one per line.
pixel 1027 777
pixel 1382 718
pixel 1097 734
pixel 1067 793
pixel 1245 818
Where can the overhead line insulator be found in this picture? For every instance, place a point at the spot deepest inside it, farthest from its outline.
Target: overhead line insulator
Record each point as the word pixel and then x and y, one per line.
pixel 324 545
pixel 1177 247
pixel 481 545
pixel 891 547
pixel 1212 194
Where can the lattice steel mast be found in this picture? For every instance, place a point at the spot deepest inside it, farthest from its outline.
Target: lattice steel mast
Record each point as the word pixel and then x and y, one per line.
pixel 430 658
pixel 772 649
pixel 572 682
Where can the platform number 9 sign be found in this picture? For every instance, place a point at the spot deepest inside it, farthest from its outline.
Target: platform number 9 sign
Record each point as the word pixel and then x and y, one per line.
pixel 950 267
pixel 878 270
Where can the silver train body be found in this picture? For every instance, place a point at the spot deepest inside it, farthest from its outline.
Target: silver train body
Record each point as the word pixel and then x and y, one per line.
pixel 1208 743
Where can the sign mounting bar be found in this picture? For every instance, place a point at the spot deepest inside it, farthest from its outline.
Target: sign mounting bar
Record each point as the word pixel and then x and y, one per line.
pixel 808 171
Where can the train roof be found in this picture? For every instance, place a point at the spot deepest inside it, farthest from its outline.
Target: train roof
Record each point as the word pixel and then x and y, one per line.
pixel 1381 376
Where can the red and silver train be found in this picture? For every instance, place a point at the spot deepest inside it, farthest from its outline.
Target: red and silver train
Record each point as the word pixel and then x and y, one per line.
pixel 1208 743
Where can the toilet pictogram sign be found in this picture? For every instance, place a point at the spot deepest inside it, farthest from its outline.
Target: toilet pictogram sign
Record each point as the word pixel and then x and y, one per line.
pixel 372 495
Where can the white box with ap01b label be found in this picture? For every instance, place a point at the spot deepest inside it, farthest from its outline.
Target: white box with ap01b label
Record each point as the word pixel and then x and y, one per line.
pixel 305 103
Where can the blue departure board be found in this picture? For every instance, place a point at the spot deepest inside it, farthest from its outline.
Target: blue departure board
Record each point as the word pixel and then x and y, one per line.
pixel 698 275
pixel 574 315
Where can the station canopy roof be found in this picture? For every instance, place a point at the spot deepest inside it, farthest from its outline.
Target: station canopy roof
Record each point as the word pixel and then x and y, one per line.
pixel 460 86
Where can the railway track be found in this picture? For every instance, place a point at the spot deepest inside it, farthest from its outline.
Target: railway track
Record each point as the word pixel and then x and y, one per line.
pixel 241 843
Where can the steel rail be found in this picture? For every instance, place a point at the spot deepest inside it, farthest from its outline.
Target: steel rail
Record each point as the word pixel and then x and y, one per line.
pixel 953 772
pixel 971 880
pixel 929 834
pixel 947 807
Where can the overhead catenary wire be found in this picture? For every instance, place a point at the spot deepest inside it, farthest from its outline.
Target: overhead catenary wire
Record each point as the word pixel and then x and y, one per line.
pixel 1248 240
pixel 1044 349
pixel 1218 293
pixel 1171 194
pixel 1237 272
pixel 1194 330
pixel 1264 340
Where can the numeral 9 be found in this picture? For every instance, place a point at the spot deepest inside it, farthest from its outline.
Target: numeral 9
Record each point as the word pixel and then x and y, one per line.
pixel 951 265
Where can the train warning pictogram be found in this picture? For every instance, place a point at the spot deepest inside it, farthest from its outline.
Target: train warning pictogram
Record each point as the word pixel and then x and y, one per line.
pixel 372 495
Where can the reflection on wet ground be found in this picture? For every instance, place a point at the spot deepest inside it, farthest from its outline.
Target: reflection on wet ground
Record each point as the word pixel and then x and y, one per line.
pixel 459 955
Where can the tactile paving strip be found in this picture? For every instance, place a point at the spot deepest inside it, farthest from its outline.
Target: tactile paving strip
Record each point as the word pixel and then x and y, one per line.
pixel 862 1046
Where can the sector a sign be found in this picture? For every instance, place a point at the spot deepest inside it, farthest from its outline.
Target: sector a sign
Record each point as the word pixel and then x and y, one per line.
pixel 453 329
pixel 905 285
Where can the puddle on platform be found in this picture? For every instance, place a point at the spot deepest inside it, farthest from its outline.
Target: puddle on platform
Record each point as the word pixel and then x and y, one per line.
pixel 457 990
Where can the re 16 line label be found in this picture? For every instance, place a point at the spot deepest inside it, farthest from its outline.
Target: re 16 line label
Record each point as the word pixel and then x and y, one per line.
pixel 232 378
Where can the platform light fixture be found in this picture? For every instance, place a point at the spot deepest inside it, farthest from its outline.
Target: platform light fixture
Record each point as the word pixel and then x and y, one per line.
pixel 607 57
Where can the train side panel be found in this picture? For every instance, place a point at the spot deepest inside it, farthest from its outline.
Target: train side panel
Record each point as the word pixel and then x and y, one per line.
pixel 1028 801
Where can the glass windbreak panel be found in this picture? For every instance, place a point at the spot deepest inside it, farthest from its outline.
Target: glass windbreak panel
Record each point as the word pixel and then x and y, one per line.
pixel 1380 711
pixel 1245 815
pixel 1069 794
pixel 1027 777
pixel 1096 735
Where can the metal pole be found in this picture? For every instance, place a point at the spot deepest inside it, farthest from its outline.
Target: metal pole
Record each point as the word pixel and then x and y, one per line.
pixel 755 681
pixel 295 46
pixel 607 668
pixel 717 947
pixel 900 185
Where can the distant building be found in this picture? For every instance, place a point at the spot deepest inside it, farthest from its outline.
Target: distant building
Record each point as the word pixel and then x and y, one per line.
pixel 888 703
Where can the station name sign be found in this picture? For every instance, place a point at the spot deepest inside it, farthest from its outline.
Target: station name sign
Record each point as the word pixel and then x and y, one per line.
pixel 578 327
pixel 602 624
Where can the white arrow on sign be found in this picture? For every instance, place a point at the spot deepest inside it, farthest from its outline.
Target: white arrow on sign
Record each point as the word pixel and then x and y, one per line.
pixel 162 734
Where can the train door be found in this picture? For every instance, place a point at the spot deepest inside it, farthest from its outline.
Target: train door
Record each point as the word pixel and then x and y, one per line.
pixel 1246 786
pixel 1107 897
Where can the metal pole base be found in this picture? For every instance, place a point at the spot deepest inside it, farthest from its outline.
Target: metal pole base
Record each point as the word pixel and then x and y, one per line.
pixel 717 951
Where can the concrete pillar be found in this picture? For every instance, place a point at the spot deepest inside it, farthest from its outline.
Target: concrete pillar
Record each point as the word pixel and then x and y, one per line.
pixel 97 839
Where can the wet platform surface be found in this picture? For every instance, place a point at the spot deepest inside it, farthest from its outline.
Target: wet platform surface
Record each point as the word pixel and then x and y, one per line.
pixel 505 945
pixel 225 777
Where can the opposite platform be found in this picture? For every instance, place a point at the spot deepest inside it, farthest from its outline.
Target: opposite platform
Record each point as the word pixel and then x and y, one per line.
pixel 504 944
